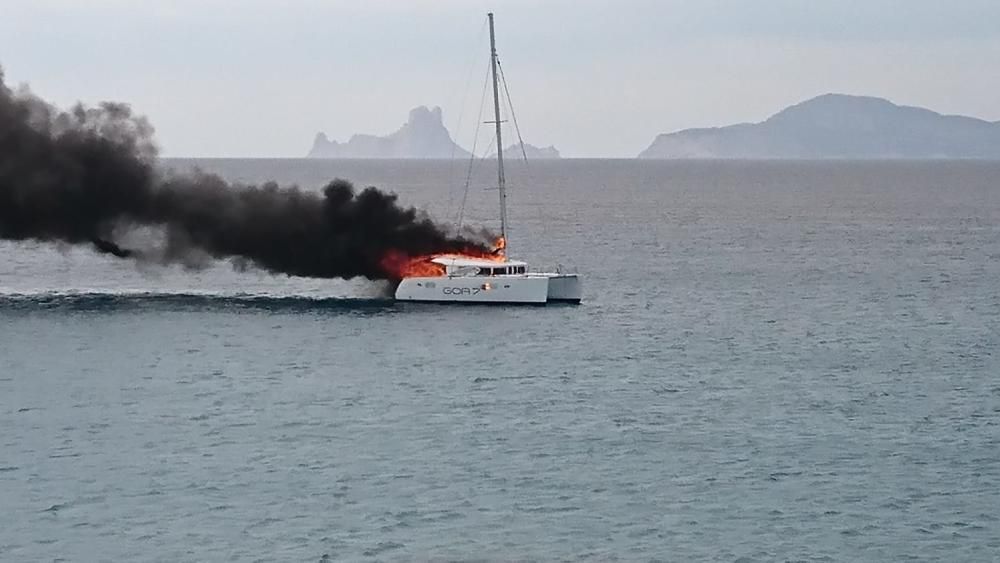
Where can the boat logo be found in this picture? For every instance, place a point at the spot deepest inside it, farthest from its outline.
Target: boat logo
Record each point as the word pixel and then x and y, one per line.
pixel 460 290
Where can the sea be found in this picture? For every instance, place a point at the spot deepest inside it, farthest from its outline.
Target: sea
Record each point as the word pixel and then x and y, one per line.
pixel 773 361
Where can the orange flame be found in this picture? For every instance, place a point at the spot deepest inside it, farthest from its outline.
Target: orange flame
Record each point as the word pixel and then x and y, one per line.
pixel 398 265
pixel 500 247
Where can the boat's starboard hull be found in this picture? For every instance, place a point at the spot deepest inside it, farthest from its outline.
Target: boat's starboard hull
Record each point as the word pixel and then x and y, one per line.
pixel 565 288
pixel 534 289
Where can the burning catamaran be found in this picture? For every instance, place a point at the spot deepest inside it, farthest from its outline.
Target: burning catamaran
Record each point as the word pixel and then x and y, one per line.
pixel 482 277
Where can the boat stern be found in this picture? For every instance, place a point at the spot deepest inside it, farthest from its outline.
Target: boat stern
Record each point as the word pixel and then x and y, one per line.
pixel 565 288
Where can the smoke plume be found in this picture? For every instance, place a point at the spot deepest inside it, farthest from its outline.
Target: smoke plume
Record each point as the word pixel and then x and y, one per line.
pixel 89 176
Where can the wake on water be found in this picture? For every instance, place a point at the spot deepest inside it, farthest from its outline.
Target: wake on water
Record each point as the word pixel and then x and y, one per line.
pixel 146 301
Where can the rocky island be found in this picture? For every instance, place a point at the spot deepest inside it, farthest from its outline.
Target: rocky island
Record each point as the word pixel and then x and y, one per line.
pixel 839 126
pixel 422 136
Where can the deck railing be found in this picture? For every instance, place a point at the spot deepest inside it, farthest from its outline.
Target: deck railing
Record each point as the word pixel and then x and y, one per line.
pixel 558 268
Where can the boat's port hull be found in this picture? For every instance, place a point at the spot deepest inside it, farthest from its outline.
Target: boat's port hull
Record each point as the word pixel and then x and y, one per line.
pixel 534 289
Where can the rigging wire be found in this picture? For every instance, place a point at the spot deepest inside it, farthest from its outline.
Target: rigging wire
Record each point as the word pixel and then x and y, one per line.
pixel 475 160
pixel 520 142
pixel 510 106
pixel 475 142
pixel 471 66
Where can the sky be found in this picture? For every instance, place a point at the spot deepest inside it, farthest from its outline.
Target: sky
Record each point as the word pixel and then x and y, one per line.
pixel 259 78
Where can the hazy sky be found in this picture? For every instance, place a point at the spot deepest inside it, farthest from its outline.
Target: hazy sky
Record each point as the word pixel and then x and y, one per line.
pixel 594 78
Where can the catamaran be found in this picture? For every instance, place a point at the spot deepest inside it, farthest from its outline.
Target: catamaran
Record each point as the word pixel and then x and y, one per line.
pixel 456 278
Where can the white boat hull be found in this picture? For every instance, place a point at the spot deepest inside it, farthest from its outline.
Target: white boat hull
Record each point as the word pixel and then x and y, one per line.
pixel 534 289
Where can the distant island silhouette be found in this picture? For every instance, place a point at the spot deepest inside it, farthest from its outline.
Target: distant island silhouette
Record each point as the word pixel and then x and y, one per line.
pixel 422 136
pixel 838 126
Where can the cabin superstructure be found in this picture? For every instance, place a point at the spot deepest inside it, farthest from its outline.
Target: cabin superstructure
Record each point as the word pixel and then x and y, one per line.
pixel 465 266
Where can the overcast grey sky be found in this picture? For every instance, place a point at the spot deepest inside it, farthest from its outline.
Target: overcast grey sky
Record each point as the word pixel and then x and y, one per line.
pixel 595 78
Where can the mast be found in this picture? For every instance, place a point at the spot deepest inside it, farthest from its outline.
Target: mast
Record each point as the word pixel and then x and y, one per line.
pixel 501 184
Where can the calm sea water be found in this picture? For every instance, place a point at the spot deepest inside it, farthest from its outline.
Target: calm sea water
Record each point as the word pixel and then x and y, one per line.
pixel 773 361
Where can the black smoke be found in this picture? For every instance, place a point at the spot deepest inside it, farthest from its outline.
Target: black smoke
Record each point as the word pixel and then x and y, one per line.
pixel 89 176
